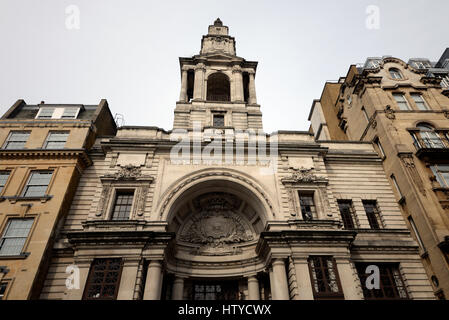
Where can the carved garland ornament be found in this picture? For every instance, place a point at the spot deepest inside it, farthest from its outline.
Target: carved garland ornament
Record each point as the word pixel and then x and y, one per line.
pixel 302 175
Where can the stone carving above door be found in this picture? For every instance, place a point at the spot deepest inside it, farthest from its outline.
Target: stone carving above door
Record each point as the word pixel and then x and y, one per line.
pixel 216 228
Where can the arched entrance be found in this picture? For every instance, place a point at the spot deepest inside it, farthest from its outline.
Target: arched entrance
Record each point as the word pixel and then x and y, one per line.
pixel 217 225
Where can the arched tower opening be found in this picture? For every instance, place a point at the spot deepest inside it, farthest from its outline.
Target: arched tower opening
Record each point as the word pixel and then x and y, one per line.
pixel 218 87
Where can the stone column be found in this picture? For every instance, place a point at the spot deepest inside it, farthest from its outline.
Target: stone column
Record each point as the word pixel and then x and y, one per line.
pixel 198 89
pixel 348 280
pixel 153 283
pixel 305 290
pixel 183 94
pixel 178 289
pixel 83 269
pixel 278 281
pixel 128 280
pixel 253 288
pixel 237 84
pixel 252 89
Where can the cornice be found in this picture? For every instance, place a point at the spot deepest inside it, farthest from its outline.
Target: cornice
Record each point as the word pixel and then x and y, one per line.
pixel 61 154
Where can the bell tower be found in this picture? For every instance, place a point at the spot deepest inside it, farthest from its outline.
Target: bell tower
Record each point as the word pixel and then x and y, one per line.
pixel 217 87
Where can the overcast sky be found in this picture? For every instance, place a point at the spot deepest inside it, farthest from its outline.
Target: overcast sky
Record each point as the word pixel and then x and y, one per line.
pixel 127 51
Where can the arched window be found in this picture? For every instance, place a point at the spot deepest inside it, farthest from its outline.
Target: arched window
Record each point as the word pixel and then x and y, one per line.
pixel 218 87
pixel 395 73
pixel 429 138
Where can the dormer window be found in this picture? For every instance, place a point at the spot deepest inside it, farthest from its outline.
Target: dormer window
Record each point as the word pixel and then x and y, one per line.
pixel 395 74
pixel 45 113
pixel 373 64
pixel 421 64
pixel 57 113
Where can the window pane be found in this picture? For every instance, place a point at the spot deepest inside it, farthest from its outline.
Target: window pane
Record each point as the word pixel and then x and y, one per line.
pixel 218 120
pixel 17 140
pixel 3 178
pixel 122 206
pixel 307 204
pixel 56 140
pixel 395 74
pixel 400 100
pixel 37 184
pixel 103 280
pixel 346 212
pixel 3 287
pixel 419 101
pixel 372 213
pixel 46 113
pixel 12 247
pixel 70 113
pixel 15 236
pixel 391 285
pixel 324 277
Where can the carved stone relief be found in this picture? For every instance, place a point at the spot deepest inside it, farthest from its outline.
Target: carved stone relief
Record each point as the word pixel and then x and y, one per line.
pixel 407 160
pixel 389 113
pixel 216 228
pixel 301 175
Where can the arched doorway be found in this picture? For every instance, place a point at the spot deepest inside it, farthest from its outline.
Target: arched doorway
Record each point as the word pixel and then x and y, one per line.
pixel 218 87
pixel 217 225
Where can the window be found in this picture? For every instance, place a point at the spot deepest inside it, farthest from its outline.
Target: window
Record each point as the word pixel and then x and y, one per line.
pixel 391 285
pixel 445 82
pixel 37 184
pixel 428 138
pixel 57 113
pixel 381 149
pixel 347 213
pixel 395 183
pixel 415 231
pixel 307 204
pixel 70 113
pixel 324 277
pixel 401 101
pixel 218 120
pixel 56 140
pixel 421 64
pixel 419 101
pixel 365 114
pixel 395 74
pixel 45 113
pixel 4 175
pixel 103 280
pixel 14 237
pixel 441 173
pixel 16 140
pixel 122 205
pixel 3 287
pixel 372 213
pixel 373 63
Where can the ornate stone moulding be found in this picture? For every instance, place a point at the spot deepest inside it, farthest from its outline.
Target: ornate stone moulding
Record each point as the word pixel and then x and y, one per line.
pixel 303 175
pixel 314 224
pixel 128 172
pixel 118 237
pixel 215 174
pixel 62 154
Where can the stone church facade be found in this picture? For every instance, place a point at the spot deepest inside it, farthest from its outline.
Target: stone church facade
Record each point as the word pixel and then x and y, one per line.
pixel 272 216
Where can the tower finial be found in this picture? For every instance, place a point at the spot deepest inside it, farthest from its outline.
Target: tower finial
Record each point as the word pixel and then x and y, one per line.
pixel 218 23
